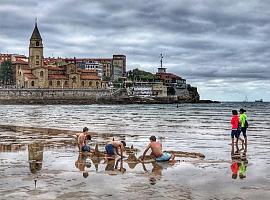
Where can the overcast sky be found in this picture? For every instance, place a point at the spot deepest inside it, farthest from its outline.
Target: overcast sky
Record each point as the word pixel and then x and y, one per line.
pixel 220 46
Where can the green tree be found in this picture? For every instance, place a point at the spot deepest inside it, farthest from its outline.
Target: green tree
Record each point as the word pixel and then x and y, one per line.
pixel 106 78
pixel 6 73
pixel 141 75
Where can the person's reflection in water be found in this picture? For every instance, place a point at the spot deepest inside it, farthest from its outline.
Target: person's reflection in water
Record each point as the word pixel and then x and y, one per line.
pixel 81 164
pixel 156 172
pixel 242 170
pixel 112 167
pixel 234 168
pixel 239 166
pixel 35 156
pixel 121 167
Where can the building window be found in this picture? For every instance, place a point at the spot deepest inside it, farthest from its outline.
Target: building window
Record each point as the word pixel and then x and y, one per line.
pixel 37 56
pixel 50 83
pixel 37 43
pixel 97 84
pixel 83 83
pixel 74 79
pixel 41 74
pixel 66 83
pixel 58 83
pixel 90 83
pixel 32 83
pixel 37 62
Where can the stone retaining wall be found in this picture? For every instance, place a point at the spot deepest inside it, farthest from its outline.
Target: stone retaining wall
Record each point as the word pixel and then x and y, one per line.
pixel 79 96
pixel 53 96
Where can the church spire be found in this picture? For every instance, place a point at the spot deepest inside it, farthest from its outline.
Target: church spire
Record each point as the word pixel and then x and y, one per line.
pixel 36 35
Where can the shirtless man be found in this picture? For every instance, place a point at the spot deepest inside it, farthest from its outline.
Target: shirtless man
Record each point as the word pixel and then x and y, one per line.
pixel 112 148
pixel 156 148
pixel 82 140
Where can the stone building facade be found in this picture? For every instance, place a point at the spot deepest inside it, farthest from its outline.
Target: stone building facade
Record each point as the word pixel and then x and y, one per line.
pixel 38 74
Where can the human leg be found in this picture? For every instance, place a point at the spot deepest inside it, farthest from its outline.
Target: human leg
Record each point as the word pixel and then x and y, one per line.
pixel 232 151
pixel 244 131
pixel 232 137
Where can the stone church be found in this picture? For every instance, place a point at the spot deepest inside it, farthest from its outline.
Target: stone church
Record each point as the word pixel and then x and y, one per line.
pixel 37 74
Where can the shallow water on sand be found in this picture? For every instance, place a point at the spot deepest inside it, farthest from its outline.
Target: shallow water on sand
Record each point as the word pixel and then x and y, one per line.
pixel 203 128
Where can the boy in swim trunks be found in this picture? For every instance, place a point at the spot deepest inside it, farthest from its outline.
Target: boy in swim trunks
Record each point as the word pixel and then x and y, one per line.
pixel 82 140
pixel 112 149
pixel 156 148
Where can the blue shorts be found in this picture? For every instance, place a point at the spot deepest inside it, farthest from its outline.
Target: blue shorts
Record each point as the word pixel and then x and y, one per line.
pixel 235 133
pixel 86 148
pixel 165 157
pixel 109 149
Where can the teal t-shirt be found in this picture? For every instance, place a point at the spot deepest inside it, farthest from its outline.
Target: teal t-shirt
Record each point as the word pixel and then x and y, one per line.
pixel 243 118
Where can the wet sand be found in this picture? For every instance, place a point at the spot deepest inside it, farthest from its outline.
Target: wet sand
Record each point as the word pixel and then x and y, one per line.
pixel 41 163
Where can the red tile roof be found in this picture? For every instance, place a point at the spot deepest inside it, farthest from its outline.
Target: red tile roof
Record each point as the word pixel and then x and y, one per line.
pixel 88 59
pixel 87 70
pixel 27 71
pixel 89 77
pixel 20 61
pixel 57 76
pixel 30 76
pixel 55 68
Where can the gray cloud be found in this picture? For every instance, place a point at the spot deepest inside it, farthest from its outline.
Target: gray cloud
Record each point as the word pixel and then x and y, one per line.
pixel 213 44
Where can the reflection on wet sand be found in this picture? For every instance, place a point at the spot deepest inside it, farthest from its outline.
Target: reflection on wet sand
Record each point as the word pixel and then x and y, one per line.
pixel 239 165
pixel 113 167
pixel 35 156
pixel 156 172
pixel 11 147
pixel 81 165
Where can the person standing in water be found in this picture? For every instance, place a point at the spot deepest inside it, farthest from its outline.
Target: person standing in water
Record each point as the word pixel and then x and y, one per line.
pixel 234 133
pixel 243 123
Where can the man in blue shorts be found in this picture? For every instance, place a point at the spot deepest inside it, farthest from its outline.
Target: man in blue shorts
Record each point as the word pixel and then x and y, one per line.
pixel 112 149
pixel 157 152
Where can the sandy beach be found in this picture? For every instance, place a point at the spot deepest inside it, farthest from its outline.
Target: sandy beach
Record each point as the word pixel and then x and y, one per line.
pixel 59 172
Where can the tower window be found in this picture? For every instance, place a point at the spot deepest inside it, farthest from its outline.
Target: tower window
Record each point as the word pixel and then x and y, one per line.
pixel 37 56
pixel 41 74
pixel 37 62
pixel 32 83
pixel 74 79
pixel 37 43
pixel 83 83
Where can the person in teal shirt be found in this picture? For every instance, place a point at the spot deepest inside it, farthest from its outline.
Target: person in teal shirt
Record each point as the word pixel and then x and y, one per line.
pixel 243 119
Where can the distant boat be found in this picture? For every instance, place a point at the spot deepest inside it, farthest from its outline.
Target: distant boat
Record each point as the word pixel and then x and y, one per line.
pixel 260 100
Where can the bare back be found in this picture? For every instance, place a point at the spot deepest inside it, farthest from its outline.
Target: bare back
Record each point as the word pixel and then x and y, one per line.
pixel 156 148
pixel 116 144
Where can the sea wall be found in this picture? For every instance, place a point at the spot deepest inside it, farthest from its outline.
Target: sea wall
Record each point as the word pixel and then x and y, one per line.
pixel 48 96
pixel 82 96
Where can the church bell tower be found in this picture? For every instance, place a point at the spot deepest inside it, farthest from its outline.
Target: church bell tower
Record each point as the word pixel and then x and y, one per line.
pixel 35 49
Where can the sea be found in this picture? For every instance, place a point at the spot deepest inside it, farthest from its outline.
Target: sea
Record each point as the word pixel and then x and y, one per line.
pixel 202 128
